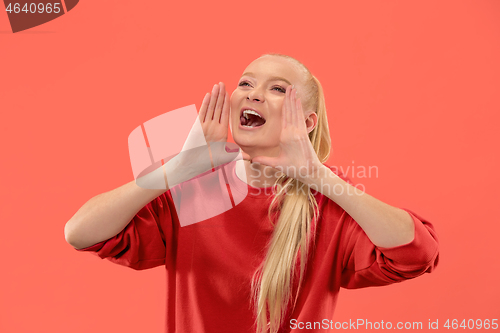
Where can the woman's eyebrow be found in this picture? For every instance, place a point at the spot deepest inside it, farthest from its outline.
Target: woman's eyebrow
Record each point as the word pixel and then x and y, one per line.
pixel 278 78
pixel 272 78
pixel 247 74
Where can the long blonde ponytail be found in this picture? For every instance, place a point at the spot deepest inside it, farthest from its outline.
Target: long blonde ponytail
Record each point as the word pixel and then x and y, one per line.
pixel 294 232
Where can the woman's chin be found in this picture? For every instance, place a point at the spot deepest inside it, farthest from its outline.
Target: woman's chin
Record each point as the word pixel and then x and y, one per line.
pixel 256 144
pixel 249 145
pixel 252 150
pixel 245 142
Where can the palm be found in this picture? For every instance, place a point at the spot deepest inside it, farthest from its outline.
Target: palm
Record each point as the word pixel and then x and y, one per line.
pixel 296 157
pixel 206 146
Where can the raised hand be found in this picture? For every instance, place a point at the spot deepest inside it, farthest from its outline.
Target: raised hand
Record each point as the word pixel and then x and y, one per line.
pixel 214 119
pixel 297 158
pixel 214 114
pixel 206 146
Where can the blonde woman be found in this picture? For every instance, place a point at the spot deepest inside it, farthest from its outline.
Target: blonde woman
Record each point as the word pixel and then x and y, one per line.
pixel 276 261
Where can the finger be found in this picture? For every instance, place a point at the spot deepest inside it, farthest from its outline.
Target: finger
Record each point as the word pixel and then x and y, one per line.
pixel 283 116
pixel 245 156
pixel 224 118
pixel 301 116
pixel 230 147
pixel 293 107
pixel 220 102
pixel 211 105
pixel 224 152
pixel 287 105
pixel 204 106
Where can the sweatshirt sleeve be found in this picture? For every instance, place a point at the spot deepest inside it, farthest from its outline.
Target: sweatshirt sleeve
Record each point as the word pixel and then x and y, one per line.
pixel 142 243
pixel 365 264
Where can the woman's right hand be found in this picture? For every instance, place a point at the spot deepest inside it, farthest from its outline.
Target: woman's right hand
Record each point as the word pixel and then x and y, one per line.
pixel 211 130
pixel 214 114
pixel 214 118
pixel 206 146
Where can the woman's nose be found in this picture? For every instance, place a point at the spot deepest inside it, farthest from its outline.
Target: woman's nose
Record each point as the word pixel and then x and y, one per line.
pixel 255 95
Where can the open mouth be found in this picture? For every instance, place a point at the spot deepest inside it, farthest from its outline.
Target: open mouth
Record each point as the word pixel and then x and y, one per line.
pixel 250 118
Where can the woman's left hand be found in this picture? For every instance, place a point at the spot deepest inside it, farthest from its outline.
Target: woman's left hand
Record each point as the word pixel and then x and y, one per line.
pixel 297 158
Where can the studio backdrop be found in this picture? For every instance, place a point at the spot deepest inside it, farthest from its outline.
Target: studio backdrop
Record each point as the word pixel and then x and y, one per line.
pixel 411 88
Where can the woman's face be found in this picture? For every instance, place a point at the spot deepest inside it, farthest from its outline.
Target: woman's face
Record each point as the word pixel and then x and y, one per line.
pixel 261 90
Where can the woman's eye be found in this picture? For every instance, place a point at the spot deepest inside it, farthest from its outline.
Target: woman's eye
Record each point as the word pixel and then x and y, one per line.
pixel 280 89
pixel 243 83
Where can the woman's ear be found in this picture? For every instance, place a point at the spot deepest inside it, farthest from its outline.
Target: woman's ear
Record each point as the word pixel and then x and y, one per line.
pixel 311 121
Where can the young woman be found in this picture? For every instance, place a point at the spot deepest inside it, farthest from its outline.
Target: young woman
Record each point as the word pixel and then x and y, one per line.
pixel 274 262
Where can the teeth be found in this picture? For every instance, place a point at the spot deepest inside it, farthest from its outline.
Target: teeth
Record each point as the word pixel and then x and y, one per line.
pixel 247 112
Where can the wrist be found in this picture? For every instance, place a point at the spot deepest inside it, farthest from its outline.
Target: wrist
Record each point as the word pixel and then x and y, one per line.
pixel 315 173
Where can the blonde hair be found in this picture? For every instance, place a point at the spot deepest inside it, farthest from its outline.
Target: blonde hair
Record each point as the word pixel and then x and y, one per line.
pixel 294 232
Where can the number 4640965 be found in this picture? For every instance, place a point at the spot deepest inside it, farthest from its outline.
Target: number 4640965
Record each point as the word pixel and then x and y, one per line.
pixel 34 8
pixel 472 324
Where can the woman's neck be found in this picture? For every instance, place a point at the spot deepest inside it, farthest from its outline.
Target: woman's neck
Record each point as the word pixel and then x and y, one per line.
pixel 255 174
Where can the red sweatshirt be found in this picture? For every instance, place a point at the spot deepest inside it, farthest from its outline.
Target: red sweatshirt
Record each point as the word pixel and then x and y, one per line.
pixel 209 264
